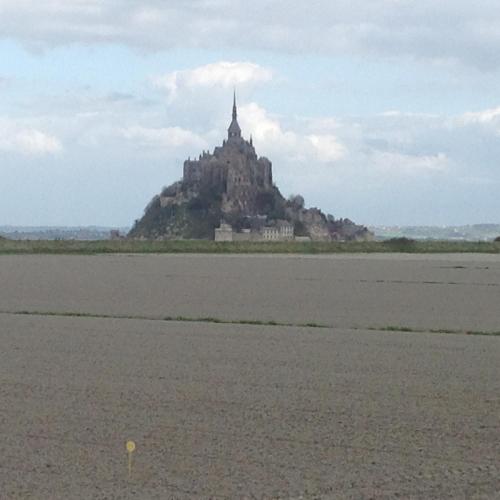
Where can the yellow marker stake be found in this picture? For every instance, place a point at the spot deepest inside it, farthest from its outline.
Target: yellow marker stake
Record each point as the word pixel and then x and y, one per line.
pixel 130 449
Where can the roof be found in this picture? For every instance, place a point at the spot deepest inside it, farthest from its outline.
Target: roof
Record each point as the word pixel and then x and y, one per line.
pixel 234 128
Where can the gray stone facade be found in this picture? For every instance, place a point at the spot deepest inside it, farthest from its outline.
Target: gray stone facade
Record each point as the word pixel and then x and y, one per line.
pixel 224 232
pixel 282 230
pixel 233 169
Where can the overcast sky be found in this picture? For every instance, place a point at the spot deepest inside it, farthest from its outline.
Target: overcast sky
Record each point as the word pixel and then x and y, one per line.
pixel 383 111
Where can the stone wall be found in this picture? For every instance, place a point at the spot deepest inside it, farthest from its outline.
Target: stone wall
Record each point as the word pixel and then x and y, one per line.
pixel 233 170
pixel 224 233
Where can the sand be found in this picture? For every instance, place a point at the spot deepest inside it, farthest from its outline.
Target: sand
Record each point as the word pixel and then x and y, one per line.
pixel 426 291
pixel 241 411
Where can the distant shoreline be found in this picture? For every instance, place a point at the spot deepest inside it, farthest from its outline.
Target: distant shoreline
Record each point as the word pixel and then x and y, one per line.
pixel 466 232
pixel 463 233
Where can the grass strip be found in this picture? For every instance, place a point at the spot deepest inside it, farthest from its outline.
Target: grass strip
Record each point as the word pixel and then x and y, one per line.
pixel 185 319
pixel 406 329
pixel 254 322
pixel 72 247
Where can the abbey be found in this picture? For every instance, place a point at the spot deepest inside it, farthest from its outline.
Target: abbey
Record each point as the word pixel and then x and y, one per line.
pixel 229 195
pixel 234 170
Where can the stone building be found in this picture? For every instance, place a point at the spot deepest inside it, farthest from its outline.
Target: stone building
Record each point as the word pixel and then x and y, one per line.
pixel 282 230
pixel 285 229
pixel 270 233
pixel 224 232
pixel 232 170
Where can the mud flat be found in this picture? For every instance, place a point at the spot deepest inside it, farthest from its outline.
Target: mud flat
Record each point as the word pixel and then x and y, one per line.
pixel 255 411
pixel 456 292
pixel 228 411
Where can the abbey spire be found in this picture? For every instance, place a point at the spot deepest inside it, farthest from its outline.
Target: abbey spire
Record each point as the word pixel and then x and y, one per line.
pixel 234 129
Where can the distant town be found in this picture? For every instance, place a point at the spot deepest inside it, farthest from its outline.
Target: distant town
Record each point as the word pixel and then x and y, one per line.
pixel 81 233
pixel 472 232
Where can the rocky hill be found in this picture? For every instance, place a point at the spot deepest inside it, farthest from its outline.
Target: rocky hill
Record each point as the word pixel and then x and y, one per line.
pixel 234 186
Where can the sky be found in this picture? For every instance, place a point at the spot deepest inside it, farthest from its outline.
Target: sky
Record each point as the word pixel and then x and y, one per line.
pixel 383 111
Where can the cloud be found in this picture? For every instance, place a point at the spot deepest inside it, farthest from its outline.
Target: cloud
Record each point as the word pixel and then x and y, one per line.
pixel 170 137
pixel 485 117
pixel 220 74
pixel 480 125
pixel 384 167
pixel 295 145
pixel 327 147
pixel 395 163
pixel 264 127
pixel 26 140
pixel 443 32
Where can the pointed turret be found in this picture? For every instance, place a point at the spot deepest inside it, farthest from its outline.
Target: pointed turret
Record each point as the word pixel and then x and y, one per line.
pixel 234 129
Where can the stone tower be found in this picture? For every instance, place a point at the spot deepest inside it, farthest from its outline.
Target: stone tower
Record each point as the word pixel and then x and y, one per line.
pixel 234 130
pixel 234 170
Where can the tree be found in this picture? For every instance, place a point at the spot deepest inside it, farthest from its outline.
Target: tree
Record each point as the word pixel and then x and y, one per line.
pixel 296 201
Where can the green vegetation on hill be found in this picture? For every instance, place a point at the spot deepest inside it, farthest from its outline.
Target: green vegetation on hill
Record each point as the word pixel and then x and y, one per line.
pixel 195 219
pixel 213 247
pixel 197 216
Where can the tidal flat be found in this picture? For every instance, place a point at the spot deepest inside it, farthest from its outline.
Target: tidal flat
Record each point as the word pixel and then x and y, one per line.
pixel 205 362
pixel 423 292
